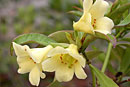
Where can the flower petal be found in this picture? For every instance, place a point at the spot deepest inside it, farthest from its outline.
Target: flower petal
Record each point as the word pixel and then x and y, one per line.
pixel 38 54
pixel 73 51
pixel 99 8
pixel 84 24
pixel 25 65
pixel 50 64
pixel 42 75
pixel 20 50
pixel 104 25
pixel 64 74
pixel 87 5
pixel 80 59
pixel 79 71
pixel 34 76
pixel 57 50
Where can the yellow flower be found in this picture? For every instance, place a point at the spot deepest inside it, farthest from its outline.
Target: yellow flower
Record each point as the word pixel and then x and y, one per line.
pixel 65 62
pixel 93 18
pixel 29 60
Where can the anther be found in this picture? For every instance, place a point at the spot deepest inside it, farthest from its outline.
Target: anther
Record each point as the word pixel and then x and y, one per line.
pixel 76 61
pixel 61 57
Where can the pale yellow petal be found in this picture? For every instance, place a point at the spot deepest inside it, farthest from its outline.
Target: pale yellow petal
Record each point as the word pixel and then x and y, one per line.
pixel 99 8
pixel 79 57
pixel 57 50
pixel 42 75
pixel 34 76
pixel 21 51
pixel 25 66
pixel 79 71
pixel 50 64
pixel 104 25
pixel 23 59
pixel 38 54
pixel 73 49
pixel 83 25
pixel 64 74
pixel 87 5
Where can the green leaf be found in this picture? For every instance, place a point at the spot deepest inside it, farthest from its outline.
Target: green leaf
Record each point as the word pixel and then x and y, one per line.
pixel 125 39
pixel 32 38
pixel 107 37
pixel 115 5
pixel 124 1
pixel 125 63
pixel 80 38
pixel 65 45
pixel 93 54
pixel 125 22
pixel 60 36
pixel 89 38
pixel 55 84
pixel 103 79
pixel 116 15
pixel 124 44
pixel 70 38
pixel 117 52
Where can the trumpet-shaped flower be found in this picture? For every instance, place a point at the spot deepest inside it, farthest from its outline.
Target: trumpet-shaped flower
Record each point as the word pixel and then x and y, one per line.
pixel 65 62
pixel 93 18
pixel 29 60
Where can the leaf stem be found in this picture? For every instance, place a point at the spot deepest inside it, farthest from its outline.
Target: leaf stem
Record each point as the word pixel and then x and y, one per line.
pixel 107 57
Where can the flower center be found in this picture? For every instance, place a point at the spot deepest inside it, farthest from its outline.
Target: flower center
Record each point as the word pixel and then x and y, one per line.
pixel 68 60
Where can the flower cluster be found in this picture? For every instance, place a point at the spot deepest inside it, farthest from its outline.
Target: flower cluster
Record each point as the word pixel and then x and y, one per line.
pixel 64 61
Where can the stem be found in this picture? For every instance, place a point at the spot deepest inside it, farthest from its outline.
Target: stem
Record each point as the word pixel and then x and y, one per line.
pixel 119 33
pixel 87 60
pixel 93 78
pixel 107 57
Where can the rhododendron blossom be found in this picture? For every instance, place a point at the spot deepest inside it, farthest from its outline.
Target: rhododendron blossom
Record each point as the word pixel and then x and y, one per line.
pixel 65 62
pixel 93 18
pixel 29 60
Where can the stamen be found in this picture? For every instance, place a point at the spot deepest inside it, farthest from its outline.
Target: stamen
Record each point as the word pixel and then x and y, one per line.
pixel 61 57
pixel 76 61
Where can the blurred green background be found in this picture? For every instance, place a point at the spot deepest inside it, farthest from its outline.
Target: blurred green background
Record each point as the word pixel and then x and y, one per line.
pixel 32 16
